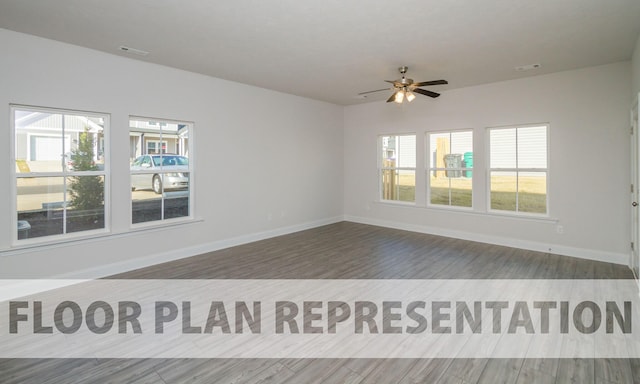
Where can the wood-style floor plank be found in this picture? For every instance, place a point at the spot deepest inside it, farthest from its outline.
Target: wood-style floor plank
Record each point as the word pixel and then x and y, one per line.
pixel 501 371
pixel 349 251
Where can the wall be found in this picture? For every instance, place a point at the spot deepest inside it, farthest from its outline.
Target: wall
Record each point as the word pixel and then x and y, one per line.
pixel 588 113
pixel 286 153
pixel 635 69
pixel 295 167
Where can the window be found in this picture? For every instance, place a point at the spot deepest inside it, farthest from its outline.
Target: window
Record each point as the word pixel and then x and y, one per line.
pixel 161 173
pixel 451 168
pixel 156 146
pixel 60 171
pixel 397 167
pixel 518 169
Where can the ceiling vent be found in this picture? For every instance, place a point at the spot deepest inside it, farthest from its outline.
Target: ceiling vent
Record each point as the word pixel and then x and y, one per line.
pixel 133 51
pixel 528 67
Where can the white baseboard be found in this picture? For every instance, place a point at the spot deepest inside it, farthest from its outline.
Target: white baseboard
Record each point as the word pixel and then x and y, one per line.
pixel 583 253
pixel 130 265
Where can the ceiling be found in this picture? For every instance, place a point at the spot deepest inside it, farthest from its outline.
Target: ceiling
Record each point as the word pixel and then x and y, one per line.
pixel 331 50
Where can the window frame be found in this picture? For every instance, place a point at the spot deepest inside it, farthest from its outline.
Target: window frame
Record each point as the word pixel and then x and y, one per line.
pixel 161 124
pixel 518 170
pixel 64 173
pixel 381 169
pixel 429 168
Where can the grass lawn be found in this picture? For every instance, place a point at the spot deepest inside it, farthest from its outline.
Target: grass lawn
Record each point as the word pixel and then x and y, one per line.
pixel 532 191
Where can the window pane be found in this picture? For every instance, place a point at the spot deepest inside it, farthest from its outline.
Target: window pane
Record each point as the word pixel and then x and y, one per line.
pixel 407 151
pixel 452 151
pixel 451 191
pixel 532 192
pixel 40 203
pixel 398 151
pixel 176 202
pixel 502 148
pixel 61 145
pixel 407 185
pixel 439 192
pixel 398 185
pixel 389 181
pixel 532 147
pixel 520 190
pixel 39 142
pixel 461 142
pixel 389 149
pixel 160 170
pixel 440 146
pixel 145 206
pixel 85 203
pixel 503 190
pixel 461 192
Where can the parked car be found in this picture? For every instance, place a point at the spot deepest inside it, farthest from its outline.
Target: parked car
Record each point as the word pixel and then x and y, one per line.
pixel 161 172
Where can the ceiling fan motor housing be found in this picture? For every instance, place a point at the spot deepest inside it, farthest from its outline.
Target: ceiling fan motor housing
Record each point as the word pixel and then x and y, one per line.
pixel 404 81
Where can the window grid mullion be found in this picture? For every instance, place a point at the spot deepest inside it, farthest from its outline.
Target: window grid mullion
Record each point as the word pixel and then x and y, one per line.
pixel 517 174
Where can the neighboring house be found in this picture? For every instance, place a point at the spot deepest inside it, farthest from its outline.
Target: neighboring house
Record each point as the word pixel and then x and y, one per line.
pixel 45 141
pixel 401 149
pixel 44 138
pixel 148 137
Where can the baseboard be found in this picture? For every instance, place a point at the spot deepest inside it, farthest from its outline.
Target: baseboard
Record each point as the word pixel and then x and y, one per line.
pixel 130 265
pixel 582 253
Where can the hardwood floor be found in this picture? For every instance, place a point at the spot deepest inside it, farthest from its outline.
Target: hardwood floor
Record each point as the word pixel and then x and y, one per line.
pixel 349 251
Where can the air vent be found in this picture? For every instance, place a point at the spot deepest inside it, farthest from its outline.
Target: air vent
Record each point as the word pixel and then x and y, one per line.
pixel 133 51
pixel 528 67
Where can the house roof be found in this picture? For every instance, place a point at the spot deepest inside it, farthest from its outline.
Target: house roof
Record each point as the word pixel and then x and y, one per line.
pixel 332 50
pixel 53 122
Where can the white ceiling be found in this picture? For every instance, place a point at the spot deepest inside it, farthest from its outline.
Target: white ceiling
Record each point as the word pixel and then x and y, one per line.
pixel 332 50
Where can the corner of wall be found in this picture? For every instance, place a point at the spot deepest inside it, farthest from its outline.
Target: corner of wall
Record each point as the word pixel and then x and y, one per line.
pixel 635 70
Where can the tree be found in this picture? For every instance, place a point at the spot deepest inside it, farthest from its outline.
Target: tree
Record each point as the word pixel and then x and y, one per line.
pixel 86 192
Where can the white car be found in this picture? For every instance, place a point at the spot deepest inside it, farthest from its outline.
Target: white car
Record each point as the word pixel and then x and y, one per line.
pixel 160 172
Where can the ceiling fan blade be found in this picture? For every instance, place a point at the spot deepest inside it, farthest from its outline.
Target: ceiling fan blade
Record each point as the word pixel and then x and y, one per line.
pixel 426 93
pixel 434 82
pixel 391 81
pixel 393 97
pixel 377 90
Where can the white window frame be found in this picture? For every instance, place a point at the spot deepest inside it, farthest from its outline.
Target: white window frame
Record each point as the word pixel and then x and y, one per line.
pixel 517 170
pixel 161 123
pixel 431 168
pixel 106 173
pixel 381 169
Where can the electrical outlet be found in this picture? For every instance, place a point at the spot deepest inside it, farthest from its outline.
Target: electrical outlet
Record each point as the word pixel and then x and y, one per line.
pixel 560 229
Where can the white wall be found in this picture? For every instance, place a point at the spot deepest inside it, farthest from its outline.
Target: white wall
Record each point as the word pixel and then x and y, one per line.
pixel 635 69
pixel 285 152
pixel 588 113
pixel 299 163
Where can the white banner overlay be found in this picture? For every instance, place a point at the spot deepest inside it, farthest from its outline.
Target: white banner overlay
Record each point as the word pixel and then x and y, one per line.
pixel 319 319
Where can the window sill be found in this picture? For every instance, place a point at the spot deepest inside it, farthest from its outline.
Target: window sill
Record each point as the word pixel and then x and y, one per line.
pixel 470 211
pixel 161 224
pixel 94 236
pixel 398 202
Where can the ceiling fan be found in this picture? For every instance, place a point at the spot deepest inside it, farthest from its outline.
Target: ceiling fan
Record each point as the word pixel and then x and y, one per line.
pixel 404 88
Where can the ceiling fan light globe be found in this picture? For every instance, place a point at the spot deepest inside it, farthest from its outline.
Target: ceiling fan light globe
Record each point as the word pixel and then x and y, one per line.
pixel 410 96
pixel 399 97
